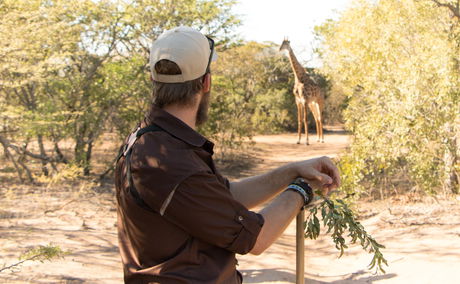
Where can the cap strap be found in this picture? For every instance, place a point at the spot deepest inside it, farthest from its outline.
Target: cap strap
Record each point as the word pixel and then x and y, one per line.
pixel 168 78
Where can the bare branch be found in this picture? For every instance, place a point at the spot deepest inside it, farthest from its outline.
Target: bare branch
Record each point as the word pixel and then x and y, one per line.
pixel 10 156
pixel 455 9
pixel 12 266
pixel 20 150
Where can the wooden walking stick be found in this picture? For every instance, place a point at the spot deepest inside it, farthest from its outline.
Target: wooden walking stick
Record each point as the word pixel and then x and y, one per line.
pixel 300 248
pixel 302 186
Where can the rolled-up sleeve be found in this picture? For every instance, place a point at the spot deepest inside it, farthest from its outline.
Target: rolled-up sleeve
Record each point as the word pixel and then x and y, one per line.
pixel 204 207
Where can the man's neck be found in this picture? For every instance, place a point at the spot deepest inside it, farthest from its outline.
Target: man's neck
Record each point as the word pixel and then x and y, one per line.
pixel 186 114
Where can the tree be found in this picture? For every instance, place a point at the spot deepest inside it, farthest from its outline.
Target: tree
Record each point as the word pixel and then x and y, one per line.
pixel 70 68
pixel 397 63
pixel 29 56
pixel 251 93
pixel 453 6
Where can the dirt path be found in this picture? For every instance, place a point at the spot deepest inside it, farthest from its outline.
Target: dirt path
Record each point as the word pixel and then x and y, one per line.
pixel 422 238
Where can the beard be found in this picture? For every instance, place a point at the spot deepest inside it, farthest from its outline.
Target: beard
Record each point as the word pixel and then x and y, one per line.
pixel 202 113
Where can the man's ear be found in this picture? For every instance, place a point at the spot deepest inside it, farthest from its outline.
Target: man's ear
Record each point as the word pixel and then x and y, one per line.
pixel 207 83
pixel 151 77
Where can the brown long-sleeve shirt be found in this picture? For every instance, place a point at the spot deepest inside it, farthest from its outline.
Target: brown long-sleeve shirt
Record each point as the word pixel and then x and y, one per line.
pixel 195 226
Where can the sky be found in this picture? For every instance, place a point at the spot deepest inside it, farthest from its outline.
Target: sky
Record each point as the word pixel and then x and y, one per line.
pixel 272 20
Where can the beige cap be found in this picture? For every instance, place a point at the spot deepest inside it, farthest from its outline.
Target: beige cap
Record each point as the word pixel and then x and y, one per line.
pixel 186 47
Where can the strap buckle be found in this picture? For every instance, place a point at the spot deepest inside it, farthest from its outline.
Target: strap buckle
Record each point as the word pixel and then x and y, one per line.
pixel 131 140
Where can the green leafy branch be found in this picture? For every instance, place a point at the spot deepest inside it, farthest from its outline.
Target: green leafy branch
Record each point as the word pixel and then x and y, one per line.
pixel 338 218
pixel 40 253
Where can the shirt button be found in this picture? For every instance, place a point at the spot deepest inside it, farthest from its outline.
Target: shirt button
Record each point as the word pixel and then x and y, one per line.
pixel 240 218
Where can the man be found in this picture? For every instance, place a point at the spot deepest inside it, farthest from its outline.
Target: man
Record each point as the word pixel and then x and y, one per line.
pixel 179 220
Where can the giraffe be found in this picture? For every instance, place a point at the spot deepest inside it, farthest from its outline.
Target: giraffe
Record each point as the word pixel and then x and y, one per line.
pixel 306 93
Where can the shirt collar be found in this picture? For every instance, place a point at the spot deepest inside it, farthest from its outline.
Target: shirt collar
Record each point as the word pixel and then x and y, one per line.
pixel 177 128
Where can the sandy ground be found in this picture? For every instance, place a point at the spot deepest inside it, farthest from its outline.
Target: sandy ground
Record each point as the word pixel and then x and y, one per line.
pixel 421 235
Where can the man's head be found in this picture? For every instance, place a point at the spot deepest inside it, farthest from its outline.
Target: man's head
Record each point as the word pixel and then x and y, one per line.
pixel 179 63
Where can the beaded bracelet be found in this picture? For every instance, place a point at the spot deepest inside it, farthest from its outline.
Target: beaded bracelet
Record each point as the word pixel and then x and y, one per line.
pixel 299 185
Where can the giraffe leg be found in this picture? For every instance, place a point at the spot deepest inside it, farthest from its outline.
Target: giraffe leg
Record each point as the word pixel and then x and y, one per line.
pixel 318 131
pixel 305 121
pixel 315 116
pixel 299 121
pixel 314 107
pixel 319 123
pixel 321 128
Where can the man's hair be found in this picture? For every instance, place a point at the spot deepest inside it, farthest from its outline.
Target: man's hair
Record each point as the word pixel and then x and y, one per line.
pixel 174 93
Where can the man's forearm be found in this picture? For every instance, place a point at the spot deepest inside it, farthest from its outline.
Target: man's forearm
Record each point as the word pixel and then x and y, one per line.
pixel 255 190
pixel 278 215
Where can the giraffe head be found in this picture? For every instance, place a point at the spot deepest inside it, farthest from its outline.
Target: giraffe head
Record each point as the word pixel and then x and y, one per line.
pixel 285 45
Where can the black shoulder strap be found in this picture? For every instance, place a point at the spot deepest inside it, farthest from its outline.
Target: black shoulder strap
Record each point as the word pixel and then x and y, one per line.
pixel 126 151
pixel 150 128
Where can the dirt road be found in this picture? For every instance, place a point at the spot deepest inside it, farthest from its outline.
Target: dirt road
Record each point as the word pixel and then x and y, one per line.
pixel 422 237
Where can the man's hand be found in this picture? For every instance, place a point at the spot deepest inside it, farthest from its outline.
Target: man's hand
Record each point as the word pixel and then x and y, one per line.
pixel 321 173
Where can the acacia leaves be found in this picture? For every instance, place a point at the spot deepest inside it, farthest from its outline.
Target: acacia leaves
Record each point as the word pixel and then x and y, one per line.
pixel 40 253
pixel 397 64
pixel 250 94
pixel 341 223
pixel 74 70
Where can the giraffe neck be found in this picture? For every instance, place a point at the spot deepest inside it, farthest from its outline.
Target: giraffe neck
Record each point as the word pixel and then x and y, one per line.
pixel 298 69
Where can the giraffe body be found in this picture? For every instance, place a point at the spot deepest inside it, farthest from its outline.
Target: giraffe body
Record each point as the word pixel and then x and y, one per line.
pixel 308 95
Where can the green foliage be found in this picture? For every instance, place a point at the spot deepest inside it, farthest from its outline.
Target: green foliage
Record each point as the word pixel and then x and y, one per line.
pixel 44 253
pixel 339 218
pixel 40 253
pixel 250 94
pixel 72 70
pixel 148 18
pixel 397 64
pixel 129 84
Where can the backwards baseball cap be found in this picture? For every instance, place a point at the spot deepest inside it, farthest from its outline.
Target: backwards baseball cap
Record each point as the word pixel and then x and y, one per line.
pixel 188 48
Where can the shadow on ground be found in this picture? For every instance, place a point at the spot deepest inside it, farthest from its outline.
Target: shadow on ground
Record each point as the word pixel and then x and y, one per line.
pixel 276 275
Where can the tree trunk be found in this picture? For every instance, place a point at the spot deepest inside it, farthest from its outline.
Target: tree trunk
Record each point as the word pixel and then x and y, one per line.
pixel 87 167
pixel 451 160
pixel 11 158
pixel 42 153
pixel 83 152
pixel 60 157
pixel 26 169
pixel 80 152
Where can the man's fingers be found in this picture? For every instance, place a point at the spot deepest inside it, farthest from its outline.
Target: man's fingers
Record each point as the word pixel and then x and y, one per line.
pixel 321 173
pixel 332 170
pixel 324 179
